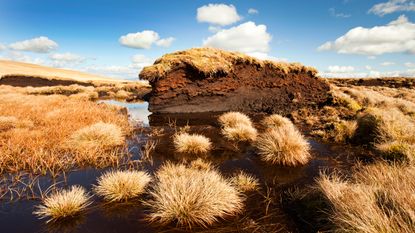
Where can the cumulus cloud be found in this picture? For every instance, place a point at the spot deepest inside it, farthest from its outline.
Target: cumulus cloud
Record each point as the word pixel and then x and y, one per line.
pixel 139 61
pixel 38 45
pixel 165 42
pixel 2 47
pixel 397 36
pixel 387 63
pixel 392 6
pixel 252 11
pixel 21 57
pixel 340 69
pixel 336 14
pixel 144 40
pixel 247 38
pixel 219 14
pixel 65 59
pixel 410 64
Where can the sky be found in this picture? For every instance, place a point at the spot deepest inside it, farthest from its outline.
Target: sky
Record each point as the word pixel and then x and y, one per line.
pixel 341 38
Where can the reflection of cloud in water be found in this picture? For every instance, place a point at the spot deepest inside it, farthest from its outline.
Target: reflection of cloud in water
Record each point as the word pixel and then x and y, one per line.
pixel 138 111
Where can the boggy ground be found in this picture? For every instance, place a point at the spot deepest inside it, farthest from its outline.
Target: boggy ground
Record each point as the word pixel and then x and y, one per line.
pixel 307 198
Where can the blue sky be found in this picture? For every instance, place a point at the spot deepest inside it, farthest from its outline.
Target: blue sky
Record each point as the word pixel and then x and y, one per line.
pixel 117 38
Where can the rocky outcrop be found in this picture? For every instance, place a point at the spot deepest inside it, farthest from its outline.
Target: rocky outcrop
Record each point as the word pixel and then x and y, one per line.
pixel 211 80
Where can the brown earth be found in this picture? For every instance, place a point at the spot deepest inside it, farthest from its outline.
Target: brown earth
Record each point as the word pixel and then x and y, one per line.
pixel 395 82
pixel 25 81
pixel 211 80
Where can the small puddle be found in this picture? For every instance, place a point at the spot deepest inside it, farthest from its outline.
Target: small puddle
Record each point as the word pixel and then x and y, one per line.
pixel 17 216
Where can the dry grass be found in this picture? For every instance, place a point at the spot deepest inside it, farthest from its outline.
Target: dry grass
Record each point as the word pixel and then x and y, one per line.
pixel 63 204
pixel 100 135
pixel 32 70
pixel 233 119
pixel 43 147
pixel 343 131
pixel 201 164
pixel 378 198
pixel 245 182
pixel 284 146
pixel 191 143
pixel 210 61
pixel 115 186
pixel 240 132
pixel 189 196
pixel 275 121
pixel 10 122
pixel 389 130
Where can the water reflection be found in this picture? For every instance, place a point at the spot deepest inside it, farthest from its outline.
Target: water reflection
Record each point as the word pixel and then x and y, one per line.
pixel 137 111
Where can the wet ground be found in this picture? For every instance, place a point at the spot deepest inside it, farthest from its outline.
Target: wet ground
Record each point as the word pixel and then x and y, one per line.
pixel 263 208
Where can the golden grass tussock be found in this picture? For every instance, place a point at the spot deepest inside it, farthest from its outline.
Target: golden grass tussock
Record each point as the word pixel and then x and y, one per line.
pixel 99 135
pixel 115 186
pixel 10 122
pixel 191 143
pixel 41 146
pixel 240 132
pixel 377 198
pixel 210 61
pixel 344 130
pixel 390 131
pixel 192 197
pixel 275 121
pixel 201 164
pixel 63 204
pixel 233 119
pixel 245 182
pixel 284 146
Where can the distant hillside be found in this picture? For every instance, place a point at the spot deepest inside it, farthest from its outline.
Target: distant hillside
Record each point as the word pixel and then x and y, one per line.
pixel 13 68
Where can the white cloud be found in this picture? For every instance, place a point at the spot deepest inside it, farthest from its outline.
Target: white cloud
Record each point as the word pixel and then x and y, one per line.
pixel 340 69
pixel 219 14
pixel 144 40
pixel 21 57
pixel 387 63
pixel 214 29
pixel 372 73
pixel 65 59
pixel 397 36
pixel 410 64
pixel 392 6
pixel 247 38
pixel 2 47
pixel 38 45
pixel 252 11
pixel 367 67
pixel 139 61
pixel 165 42
pixel 336 14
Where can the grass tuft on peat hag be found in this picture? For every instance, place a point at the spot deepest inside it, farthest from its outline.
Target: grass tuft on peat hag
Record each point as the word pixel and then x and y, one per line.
pixel 233 119
pixel 115 186
pixel 245 182
pixel 63 204
pixel 211 61
pixel 192 197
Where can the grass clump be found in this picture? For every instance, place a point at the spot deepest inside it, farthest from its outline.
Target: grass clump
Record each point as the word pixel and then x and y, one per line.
pixel 191 143
pixel 377 198
pixel 275 121
pixel 192 197
pixel 344 131
pixel 115 186
pixel 99 135
pixel 63 204
pixel 390 131
pixel 284 146
pixel 245 182
pixel 240 132
pixel 233 119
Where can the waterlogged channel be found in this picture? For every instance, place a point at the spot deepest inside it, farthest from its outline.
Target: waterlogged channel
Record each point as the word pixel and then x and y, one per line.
pixel 16 215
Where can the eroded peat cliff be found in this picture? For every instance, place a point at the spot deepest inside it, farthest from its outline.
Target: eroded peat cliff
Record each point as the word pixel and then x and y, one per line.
pixel 212 80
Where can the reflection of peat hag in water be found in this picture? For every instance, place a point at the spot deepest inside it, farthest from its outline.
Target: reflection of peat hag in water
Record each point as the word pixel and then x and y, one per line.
pixel 138 111
pixel 228 157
